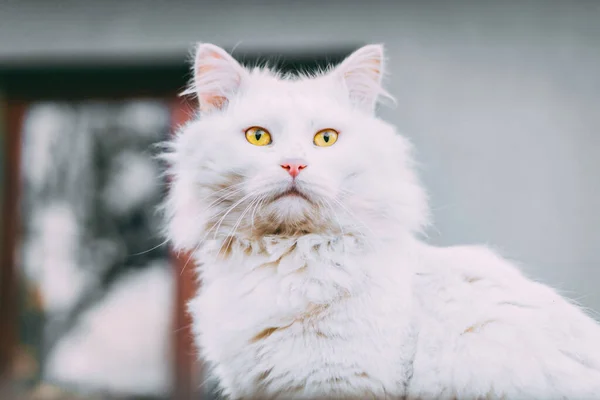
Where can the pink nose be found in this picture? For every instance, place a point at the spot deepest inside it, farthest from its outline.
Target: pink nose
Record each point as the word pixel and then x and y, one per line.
pixel 293 167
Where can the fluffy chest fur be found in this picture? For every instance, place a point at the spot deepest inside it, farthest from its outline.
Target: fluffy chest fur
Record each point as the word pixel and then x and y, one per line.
pixel 306 319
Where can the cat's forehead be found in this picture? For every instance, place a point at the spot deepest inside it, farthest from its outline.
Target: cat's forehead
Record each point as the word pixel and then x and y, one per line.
pixel 311 95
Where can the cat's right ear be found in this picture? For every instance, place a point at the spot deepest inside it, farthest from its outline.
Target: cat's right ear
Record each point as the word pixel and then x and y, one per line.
pixel 217 77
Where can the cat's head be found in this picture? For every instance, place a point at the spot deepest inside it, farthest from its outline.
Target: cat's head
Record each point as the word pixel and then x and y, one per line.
pixel 290 155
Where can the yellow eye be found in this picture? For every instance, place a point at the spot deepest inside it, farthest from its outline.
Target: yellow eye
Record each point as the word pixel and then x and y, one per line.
pixel 258 136
pixel 326 137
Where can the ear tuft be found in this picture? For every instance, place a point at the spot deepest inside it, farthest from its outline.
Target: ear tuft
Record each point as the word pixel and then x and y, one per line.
pixel 362 73
pixel 217 77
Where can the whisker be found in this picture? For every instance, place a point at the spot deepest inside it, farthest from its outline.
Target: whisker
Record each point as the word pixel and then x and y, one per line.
pixel 231 209
pixel 153 248
pixel 189 258
pixel 258 204
pixel 235 226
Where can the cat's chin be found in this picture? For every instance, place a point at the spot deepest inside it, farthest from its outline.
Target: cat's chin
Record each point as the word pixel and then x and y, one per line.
pixel 288 215
pixel 292 208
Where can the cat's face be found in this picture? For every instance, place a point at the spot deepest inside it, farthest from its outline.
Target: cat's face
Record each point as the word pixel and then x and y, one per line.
pixel 274 156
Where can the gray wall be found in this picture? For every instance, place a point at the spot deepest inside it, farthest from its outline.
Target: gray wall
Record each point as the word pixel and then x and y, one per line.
pixel 501 99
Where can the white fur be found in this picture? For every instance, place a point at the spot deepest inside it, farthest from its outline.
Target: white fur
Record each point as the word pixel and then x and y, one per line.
pixel 336 297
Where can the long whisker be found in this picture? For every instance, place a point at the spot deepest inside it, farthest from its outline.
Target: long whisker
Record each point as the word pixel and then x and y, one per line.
pixel 221 199
pixel 258 204
pixel 196 248
pixel 230 191
pixel 153 248
pixel 218 224
pixel 213 205
pixel 236 225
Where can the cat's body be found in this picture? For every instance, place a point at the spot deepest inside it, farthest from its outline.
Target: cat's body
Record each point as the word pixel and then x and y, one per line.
pixel 314 284
pixel 436 323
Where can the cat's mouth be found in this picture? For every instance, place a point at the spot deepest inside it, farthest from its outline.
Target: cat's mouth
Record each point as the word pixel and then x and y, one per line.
pixel 292 192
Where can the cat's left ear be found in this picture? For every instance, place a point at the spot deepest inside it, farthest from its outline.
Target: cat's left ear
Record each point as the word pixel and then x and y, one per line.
pixel 361 74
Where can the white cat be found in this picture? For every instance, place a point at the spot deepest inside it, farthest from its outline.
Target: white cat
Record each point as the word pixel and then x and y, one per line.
pixel 302 210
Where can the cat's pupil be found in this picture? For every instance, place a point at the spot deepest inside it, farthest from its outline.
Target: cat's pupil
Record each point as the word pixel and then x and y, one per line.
pixel 257 135
pixel 326 137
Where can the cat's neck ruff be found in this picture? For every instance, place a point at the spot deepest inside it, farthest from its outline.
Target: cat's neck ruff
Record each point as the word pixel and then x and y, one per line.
pixel 286 254
pixel 274 247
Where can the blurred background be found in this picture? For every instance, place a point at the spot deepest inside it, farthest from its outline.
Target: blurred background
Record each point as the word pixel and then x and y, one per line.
pixel 502 100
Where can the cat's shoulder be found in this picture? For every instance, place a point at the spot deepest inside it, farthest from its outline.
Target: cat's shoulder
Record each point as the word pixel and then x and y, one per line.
pixel 478 280
pixel 481 311
pixel 468 270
